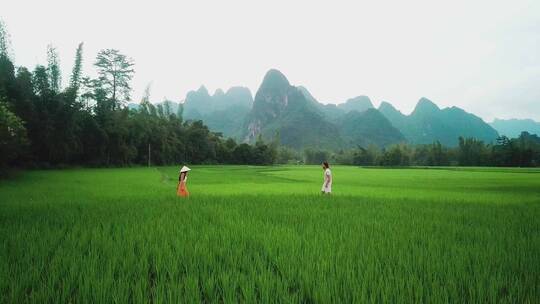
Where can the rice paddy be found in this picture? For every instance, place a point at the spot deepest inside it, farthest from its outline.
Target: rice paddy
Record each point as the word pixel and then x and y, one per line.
pixel 265 234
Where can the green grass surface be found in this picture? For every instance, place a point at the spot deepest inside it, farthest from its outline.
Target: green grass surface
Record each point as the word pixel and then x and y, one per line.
pixel 264 234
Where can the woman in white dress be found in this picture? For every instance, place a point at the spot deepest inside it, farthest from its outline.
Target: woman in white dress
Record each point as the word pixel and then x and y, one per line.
pixel 327 184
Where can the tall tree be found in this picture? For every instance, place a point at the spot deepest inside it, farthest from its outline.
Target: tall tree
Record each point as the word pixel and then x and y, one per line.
pixel 41 81
pixel 5 41
pixel 24 104
pixel 76 73
pixel 53 69
pixel 115 72
pixel 7 69
pixel 7 78
pixel 145 100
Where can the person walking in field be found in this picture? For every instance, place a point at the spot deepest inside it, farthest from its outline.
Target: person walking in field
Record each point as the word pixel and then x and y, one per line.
pixel 181 189
pixel 327 184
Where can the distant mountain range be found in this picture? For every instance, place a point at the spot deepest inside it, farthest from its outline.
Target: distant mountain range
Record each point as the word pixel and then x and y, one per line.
pixel 221 112
pixel 514 127
pixel 427 123
pixel 298 120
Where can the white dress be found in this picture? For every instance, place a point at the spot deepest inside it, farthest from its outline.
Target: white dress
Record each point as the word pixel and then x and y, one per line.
pixel 327 177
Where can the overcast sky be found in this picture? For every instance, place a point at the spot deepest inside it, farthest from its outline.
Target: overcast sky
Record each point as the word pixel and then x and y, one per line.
pixel 483 56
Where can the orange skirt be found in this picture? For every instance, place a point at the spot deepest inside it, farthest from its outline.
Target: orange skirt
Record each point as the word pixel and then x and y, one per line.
pixel 182 190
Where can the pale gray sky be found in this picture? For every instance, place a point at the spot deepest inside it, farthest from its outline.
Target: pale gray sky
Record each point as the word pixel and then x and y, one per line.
pixel 483 56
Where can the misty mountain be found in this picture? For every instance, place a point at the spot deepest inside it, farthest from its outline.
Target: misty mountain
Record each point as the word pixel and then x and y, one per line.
pixel 334 111
pixel 360 104
pixel 397 118
pixel 513 127
pixel 222 112
pixel 368 127
pixel 428 123
pixel 293 114
pixel 282 110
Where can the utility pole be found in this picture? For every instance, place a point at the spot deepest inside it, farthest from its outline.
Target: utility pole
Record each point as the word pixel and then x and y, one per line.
pixel 149 154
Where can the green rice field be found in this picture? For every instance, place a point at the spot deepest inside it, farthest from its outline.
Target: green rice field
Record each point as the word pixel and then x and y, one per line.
pixel 265 234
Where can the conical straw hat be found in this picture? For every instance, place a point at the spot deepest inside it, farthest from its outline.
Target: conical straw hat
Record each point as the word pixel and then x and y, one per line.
pixel 184 169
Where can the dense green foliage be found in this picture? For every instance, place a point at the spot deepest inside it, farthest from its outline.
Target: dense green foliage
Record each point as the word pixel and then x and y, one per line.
pixel 523 151
pixel 88 123
pixel 264 234
pixel 13 140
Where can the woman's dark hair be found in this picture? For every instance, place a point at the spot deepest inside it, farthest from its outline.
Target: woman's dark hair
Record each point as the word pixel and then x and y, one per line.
pixel 180 176
pixel 326 165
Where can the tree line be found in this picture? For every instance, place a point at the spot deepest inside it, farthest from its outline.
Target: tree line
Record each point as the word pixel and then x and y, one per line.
pixel 523 151
pixel 87 122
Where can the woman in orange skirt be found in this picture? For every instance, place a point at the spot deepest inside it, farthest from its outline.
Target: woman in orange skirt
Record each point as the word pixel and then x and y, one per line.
pixel 181 189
